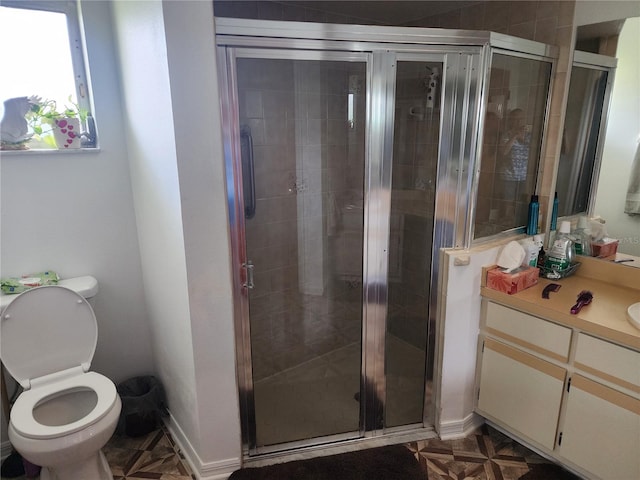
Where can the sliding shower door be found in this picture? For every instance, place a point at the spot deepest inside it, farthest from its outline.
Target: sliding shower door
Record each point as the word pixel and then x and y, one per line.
pixel 335 161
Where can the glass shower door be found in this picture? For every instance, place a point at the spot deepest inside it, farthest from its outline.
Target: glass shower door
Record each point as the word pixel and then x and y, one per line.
pixel 302 132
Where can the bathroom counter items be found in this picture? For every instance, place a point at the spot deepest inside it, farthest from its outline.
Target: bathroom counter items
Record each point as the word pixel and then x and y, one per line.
pixel 86 286
pixel 614 287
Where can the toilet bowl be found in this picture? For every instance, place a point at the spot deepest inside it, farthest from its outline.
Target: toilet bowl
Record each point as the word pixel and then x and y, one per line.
pixel 66 414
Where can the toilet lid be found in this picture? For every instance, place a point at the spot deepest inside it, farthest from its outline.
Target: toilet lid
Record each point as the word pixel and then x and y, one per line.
pixel 46 330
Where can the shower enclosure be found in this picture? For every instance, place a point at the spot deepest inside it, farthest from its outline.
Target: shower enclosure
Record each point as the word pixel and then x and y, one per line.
pixel 351 158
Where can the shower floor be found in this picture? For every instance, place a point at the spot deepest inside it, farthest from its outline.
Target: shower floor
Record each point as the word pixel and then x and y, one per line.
pixel 318 397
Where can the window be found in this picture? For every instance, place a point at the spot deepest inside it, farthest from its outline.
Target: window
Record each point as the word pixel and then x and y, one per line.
pixel 42 57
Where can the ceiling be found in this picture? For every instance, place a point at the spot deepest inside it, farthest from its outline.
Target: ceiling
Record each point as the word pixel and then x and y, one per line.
pixel 390 12
pixel 597 30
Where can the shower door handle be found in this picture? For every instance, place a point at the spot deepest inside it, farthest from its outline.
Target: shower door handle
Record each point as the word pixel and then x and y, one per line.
pixel 248 175
pixel 248 266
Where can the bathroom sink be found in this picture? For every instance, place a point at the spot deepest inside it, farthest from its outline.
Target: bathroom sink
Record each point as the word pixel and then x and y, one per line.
pixel 633 314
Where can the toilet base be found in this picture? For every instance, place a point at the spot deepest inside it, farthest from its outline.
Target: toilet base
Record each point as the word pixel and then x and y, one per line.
pixel 95 467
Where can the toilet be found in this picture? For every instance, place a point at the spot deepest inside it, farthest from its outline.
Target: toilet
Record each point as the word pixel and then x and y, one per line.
pixel 66 414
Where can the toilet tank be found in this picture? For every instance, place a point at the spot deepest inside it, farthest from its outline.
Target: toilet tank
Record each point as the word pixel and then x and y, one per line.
pixel 86 286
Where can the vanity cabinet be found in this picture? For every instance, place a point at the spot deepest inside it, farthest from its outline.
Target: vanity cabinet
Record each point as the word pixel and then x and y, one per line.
pixel 573 396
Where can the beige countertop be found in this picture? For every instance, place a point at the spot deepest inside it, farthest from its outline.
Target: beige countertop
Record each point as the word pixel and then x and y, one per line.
pixel 614 287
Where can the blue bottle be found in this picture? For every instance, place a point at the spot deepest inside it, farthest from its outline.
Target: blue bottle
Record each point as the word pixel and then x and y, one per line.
pixel 554 213
pixel 532 219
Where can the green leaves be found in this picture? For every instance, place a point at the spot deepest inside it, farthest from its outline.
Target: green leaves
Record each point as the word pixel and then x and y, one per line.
pixel 44 113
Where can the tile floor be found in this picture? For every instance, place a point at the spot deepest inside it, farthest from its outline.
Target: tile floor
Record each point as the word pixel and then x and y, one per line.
pixel 487 454
pixel 484 455
pixel 153 456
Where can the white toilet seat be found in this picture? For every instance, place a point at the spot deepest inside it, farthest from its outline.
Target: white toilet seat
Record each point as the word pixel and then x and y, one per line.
pixel 22 412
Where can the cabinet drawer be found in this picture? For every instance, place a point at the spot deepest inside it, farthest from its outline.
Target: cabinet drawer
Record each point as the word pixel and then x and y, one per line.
pixel 531 332
pixel 610 362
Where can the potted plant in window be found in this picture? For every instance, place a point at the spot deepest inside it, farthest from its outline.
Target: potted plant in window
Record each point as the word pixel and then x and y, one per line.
pixel 65 124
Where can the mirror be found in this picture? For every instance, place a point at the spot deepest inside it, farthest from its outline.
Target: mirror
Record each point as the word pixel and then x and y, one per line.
pixel 584 132
pixel 600 188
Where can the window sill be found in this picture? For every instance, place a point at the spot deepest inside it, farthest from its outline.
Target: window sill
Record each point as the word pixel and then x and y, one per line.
pixel 51 151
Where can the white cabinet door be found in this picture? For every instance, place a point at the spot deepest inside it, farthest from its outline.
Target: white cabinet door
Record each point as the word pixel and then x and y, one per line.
pixel 601 431
pixel 520 392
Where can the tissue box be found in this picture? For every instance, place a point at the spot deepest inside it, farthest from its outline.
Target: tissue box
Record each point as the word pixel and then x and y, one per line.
pixel 600 249
pixel 514 282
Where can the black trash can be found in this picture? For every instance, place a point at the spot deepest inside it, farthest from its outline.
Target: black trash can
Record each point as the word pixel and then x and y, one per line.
pixel 143 403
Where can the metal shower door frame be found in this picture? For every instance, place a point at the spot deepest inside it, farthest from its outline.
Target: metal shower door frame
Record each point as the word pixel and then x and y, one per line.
pixel 460 104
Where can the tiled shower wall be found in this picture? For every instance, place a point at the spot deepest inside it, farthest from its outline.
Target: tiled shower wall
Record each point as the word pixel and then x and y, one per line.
pixel 267 107
pixel 545 21
pixel 309 166
pixel 415 160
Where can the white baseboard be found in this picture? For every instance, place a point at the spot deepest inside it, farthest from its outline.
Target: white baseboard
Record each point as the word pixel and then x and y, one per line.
pixel 218 470
pixel 460 428
pixel 5 450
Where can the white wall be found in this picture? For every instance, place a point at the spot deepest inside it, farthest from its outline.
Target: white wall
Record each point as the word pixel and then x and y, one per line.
pixel 196 111
pixel 168 70
pixel 621 141
pixel 139 30
pixel 459 298
pixel 73 213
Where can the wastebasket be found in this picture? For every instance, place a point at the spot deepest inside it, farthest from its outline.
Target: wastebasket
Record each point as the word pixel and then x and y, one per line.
pixel 143 403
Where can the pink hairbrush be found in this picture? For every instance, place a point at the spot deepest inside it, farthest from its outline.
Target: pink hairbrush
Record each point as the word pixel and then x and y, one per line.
pixel 584 298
